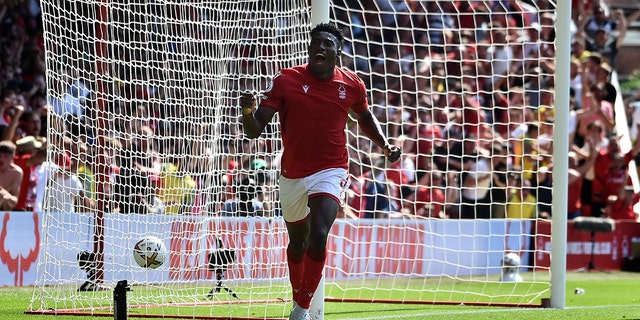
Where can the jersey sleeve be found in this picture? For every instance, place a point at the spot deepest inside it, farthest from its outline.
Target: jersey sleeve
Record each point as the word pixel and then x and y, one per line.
pixel 273 96
pixel 363 103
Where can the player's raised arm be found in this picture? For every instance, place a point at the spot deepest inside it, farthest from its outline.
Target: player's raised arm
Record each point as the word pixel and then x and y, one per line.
pixel 254 120
pixel 372 129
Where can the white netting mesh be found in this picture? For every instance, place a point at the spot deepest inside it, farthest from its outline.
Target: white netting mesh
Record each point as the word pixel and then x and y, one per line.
pixel 144 111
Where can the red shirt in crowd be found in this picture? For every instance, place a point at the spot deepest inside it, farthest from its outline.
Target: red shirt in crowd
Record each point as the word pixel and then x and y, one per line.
pixel 429 196
pixel 608 181
pixel 357 201
pixel 27 196
pixel 623 210
pixel 423 149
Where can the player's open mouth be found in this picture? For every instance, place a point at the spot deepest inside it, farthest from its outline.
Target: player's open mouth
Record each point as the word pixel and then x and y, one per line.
pixel 320 58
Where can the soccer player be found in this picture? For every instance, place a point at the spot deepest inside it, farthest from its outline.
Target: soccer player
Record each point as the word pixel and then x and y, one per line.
pixel 313 101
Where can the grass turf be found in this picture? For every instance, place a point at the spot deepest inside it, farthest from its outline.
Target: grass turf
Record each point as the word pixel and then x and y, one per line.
pixel 607 296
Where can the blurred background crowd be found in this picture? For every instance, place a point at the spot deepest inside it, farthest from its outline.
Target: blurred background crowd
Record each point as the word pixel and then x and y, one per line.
pixel 470 101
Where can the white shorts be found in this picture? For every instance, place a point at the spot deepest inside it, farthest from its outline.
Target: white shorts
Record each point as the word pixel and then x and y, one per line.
pixel 295 193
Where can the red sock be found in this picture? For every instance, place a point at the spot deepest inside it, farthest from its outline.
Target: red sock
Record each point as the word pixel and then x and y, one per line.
pixel 313 266
pixel 296 269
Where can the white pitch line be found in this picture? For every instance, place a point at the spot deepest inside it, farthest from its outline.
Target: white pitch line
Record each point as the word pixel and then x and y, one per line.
pixel 478 311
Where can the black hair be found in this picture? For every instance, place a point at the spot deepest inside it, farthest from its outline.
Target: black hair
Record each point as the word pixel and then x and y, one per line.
pixel 7 147
pixel 330 28
pixel 26 116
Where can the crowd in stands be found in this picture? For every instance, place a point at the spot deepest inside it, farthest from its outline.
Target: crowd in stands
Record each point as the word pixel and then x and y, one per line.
pixel 488 127
pixel 471 103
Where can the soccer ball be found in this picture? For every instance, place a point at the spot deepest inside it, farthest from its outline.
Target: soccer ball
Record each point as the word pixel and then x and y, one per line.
pixel 511 259
pixel 510 268
pixel 149 252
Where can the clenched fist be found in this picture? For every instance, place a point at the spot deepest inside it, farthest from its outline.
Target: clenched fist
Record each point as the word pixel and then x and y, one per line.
pixel 247 102
pixel 392 152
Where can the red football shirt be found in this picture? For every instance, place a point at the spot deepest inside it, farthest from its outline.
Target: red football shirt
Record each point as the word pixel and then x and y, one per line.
pixel 26 198
pixel 426 196
pixel 623 210
pixel 313 117
pixel 606 181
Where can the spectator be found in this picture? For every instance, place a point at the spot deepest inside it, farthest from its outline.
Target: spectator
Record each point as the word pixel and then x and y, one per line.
pixel 596 136
pixel 44 172
pixel 577 172
pixel 147 205
pixel 611 173
pixel 83 168
pixel 476 176
pixel 522 13
pixel 575 75
pixel 590 66
pixel 543 143
pixel 377 200
pixel 425 134
pixel 502 19
pixel 464 102
pixel 83 201
pixel 30 124
pixel 522 202
pixel 499 167
pixel 596 21
pixel 473 17
pixel 547 31
pixel 12 117
pixel 603 42
pixel 598 109
pixel 73 101
pixel 138 173
pixel 579 49
pixel 501 56
pixel 439 20
pixel 593 130
pixel 402 174
pixel 452 195
pixel 448 152
pixel 249 193
pixel 518 129
pixel 10 176
pixel 177 187
pixel 620 206
pixel 209 184
pixel 429 196
pixel 66 191
pixel 604 77
pixel 29 155
pixel 503 103
pixel 355 201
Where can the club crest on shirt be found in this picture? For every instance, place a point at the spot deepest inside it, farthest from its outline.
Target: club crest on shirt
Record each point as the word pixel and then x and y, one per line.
pixel 342 92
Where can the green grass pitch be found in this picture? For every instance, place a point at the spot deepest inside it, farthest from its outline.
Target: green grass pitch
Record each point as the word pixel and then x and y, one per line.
pixel 613 295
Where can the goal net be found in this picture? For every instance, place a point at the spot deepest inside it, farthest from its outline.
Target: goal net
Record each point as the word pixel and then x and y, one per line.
pixel 145 139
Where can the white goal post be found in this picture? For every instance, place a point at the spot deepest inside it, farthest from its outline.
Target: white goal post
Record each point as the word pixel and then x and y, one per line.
pixel 144 115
